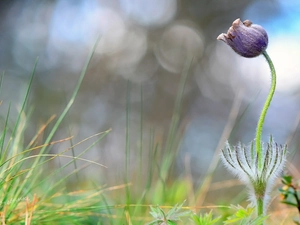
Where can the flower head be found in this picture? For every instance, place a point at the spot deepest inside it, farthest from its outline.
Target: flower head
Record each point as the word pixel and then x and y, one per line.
pixel 246 39
pixel 243 162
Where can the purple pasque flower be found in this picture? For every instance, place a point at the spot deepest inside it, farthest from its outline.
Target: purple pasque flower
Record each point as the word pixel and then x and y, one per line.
pixel 246 39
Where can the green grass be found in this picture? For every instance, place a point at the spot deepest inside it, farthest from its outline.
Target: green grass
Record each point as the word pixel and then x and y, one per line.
pixel 30 192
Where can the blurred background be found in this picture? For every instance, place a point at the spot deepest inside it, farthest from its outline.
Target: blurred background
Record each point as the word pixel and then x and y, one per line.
pixel 148 42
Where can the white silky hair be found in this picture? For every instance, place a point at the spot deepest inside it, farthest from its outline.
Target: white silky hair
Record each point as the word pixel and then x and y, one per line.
pixel 242 161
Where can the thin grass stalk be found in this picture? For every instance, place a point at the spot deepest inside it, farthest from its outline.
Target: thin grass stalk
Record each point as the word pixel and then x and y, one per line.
pixel 73 153
pixel 141 130
pixel 16 133
pixel 141 171
pixel 232 117
pixel 3 154
pixel 67 108
pixel 64 166
pixel 127 141
pixel 168 150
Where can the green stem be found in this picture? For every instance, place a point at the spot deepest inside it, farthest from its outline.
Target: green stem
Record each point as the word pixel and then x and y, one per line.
pixel 264 112
pixel 260 208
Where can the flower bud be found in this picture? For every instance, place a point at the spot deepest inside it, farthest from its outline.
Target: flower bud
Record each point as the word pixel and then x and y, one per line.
pixel 246 39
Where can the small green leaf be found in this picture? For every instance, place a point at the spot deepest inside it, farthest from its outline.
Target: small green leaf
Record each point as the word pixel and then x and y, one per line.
pixel 240 215
pixel 170 222
pixel 287 180
pixel 174 214
pixel 289 203
pixel 205 219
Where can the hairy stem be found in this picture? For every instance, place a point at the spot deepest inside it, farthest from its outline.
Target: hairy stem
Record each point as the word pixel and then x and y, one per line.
pixel 260 206
pixel 264 112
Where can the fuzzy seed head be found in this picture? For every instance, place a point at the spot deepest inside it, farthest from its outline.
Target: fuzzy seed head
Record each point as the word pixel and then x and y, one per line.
pixel 242 161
